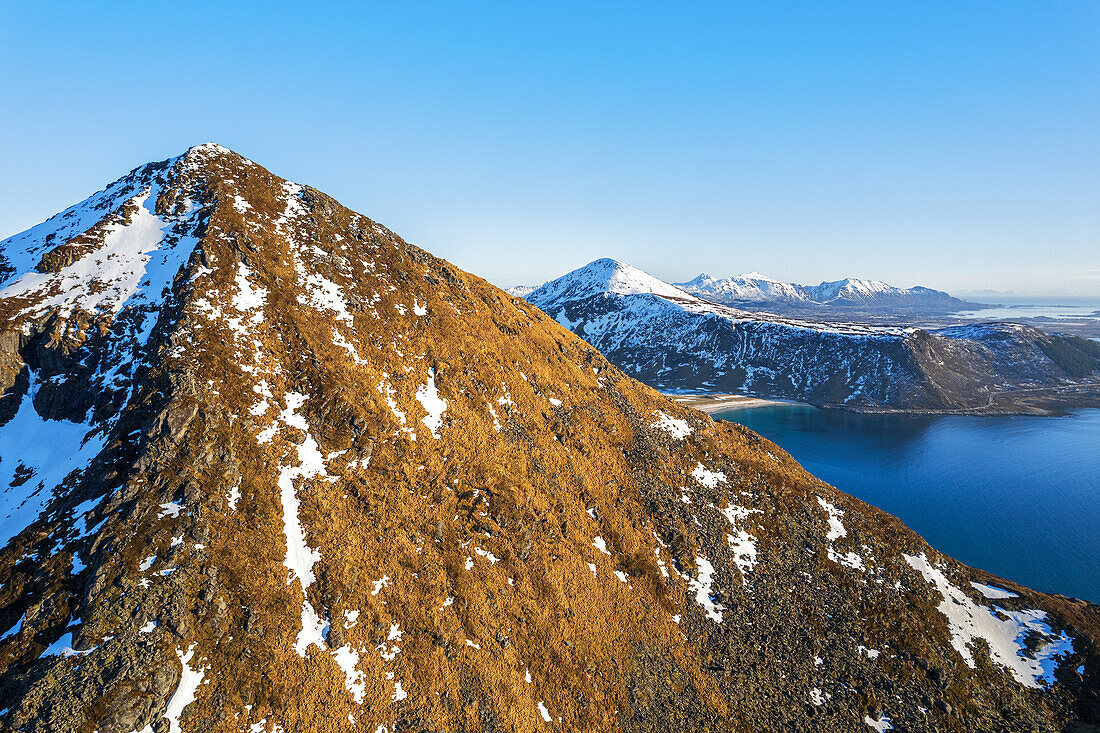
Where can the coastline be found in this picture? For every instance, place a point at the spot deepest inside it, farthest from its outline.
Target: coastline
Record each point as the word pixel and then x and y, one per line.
pixel 723 402
pixel 711 403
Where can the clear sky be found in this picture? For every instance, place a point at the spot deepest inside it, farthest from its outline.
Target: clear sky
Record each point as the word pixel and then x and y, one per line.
pixel 955 145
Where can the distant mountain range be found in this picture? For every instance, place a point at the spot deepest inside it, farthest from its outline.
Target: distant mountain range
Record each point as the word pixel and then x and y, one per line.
pixel 850 294
pixel 666 336
pixel 758 290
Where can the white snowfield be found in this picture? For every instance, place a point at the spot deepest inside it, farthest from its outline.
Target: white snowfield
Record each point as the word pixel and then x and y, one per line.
pixel 706 477
pixel 36 455
pixel 1004 631
pixel 125 269
pixel 432 403
pixel 110 274
pixel 703 586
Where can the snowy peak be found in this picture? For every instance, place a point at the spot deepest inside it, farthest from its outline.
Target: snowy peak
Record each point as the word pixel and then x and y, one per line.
pixel 119 246
pixel 606 276
pixel 853 290
pixel 521 291
pixel 750 288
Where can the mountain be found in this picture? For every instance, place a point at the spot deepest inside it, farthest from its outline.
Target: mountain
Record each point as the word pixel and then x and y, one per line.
pixel 268 467
pixel 520 291
pixel 756 290
pixel 751 288
pixel 671 339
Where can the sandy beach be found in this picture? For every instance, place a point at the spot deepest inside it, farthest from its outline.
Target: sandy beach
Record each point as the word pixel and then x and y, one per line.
pixel 723 402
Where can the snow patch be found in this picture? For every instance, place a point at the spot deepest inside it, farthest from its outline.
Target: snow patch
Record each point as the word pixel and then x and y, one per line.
pixel 836 528
pixel 992 592
pixel 184 695
pixel 1006 632
pixel 742 544
pixel 881 724
pixel 347 658
pixel 38 455
pixel 702 585
pixel 432 403
pixel 314 630
pixel 677 428
pixel 707 477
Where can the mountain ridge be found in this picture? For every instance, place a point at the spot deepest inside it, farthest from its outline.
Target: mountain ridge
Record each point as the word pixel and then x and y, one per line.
pixel 326 481
pixel 756 291
pixel 847 293
pixel 677 341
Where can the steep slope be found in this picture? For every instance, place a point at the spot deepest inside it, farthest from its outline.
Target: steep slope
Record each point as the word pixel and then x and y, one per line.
pixel 270 468
pixel 758 291
pixel 676 341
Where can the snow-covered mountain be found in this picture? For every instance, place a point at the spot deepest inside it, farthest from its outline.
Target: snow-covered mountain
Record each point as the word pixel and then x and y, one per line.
pixel 520 291
pixel 751 288
pixel 759 291
pixel 672 339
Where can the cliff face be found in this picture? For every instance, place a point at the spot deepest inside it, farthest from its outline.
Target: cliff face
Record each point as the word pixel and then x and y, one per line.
pixel 268 467
pixel 673 340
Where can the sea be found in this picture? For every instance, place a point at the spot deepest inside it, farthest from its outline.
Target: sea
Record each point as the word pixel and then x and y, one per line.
pixel 1016 496
pixel 1063 308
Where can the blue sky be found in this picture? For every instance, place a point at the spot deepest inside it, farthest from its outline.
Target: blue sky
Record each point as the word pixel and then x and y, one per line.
pixel 955 145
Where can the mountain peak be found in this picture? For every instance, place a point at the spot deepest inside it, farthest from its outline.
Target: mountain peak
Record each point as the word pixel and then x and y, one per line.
pixel 610 276
pixel 210 148
pixel 229 162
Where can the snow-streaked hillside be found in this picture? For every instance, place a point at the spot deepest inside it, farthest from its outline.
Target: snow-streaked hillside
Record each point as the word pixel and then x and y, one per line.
pixel 674 340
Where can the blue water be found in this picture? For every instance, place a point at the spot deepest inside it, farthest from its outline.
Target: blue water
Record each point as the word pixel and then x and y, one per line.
pixel 1070 308
pixel 1017 496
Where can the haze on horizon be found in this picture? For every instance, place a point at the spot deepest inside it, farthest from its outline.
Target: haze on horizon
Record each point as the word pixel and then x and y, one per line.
pixel 950 146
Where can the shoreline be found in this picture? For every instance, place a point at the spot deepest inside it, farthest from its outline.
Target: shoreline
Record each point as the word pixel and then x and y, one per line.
pixel 711 403
pixel 728 402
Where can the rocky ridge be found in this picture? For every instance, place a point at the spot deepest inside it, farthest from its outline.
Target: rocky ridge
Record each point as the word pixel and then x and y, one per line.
pixel 267 467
